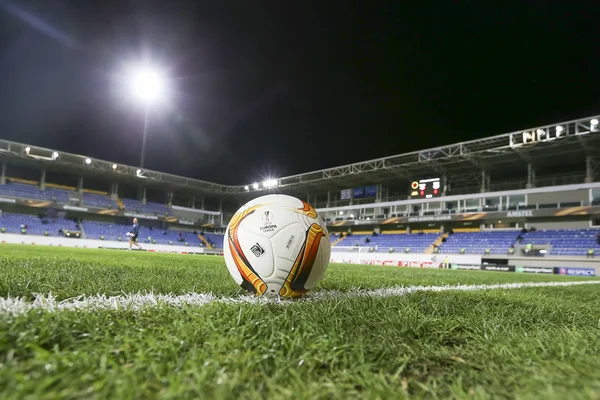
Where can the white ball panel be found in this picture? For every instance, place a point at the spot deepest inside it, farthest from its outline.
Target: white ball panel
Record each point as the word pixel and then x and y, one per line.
pixel 321 262
pixel 287 242
pixel 257 249
pixel 268 220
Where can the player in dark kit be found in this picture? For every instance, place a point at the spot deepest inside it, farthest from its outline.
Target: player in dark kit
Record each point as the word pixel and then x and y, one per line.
pixel 133 235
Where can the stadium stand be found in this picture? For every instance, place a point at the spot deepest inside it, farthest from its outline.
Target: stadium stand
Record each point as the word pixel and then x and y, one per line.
pixel 33 192
pixel 98 200
pixel 149 207
pixel 214 239
pixel 571 242
pixel 35 225
pixel 112 232
pixel 416 243
pixel 497 242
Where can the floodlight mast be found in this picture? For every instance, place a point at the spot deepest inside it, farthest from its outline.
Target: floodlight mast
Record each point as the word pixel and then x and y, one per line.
pixel 143 155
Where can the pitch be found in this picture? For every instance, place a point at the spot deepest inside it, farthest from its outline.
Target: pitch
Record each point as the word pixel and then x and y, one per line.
pixel 78 323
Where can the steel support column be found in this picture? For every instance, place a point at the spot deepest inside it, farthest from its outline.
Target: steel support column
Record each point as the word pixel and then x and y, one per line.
pixel 221 211
pixel 589 170
pixel 3 177
pixel 43 180
pixel 530 176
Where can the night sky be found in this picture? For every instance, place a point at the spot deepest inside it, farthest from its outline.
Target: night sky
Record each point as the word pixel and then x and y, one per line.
pixel 284 87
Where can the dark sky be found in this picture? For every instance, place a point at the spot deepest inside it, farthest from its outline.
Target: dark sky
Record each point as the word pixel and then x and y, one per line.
pixel 284 87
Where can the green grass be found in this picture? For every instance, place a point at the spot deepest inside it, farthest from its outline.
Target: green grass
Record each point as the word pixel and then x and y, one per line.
pixel 525 343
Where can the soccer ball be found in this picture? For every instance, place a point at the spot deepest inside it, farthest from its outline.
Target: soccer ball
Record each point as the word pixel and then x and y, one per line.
pixel 277 245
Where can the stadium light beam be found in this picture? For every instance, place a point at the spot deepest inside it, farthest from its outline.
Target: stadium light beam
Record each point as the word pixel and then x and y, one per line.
pixel 88 161
pixel 148 85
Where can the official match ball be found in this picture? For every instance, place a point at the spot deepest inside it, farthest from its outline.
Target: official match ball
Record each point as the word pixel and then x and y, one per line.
pixel 277 245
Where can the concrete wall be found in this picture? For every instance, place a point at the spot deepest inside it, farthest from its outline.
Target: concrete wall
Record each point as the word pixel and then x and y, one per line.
pixel 556 261
pixel 93 244
pixel 559 197
pixel 541 225
pixel 366 257
pixel 551 261
pixel 191 214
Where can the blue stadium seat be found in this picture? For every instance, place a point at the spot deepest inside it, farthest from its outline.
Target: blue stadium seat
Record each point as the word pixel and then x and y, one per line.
pixel 36 225
pixel 417 243
pixel 565 242
pixel 498 242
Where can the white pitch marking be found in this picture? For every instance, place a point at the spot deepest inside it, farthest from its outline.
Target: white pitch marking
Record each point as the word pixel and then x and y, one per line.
pixel 16 306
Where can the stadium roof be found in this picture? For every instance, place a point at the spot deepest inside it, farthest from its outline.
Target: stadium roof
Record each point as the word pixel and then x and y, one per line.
pixel 565 145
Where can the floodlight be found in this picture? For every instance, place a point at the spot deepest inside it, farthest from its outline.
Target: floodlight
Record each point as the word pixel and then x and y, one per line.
pixel 559 129
pixel 270 183
pixel 27 149
pixel 54 155
pixel 351 215
pixel 114 166
pixel 88 161
pixel 255 186
pixel 540 131
pixel 147 84
pixel 139 171
pixel 341 213
pixel 246 188
pixel 594 122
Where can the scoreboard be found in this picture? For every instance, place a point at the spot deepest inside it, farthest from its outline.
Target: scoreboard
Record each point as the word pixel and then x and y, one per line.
pixel 426 188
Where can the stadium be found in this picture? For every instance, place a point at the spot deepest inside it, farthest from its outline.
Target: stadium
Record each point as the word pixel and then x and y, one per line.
pixel 299 200
pixel 503 200
pixel 518 213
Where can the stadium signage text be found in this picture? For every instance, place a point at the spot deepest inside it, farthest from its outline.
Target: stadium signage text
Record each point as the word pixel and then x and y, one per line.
pixel 184 222
pixel 468 267
pixel 535 270
pixel 418 264
pixel 363 222
pixel 537 136
pixel 430 218
pixel 519 214
pixel 501 268
pixel 577 271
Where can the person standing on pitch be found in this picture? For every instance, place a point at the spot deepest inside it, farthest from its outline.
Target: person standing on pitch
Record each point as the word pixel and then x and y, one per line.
pixel 133 235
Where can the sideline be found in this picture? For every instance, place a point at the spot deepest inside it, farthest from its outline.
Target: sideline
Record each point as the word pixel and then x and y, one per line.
pixel 135 302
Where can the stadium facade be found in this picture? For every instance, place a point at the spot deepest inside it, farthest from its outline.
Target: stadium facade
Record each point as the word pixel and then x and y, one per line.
pixel 546 177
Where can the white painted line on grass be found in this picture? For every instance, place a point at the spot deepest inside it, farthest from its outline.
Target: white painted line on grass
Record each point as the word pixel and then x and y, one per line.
pixel 16 306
